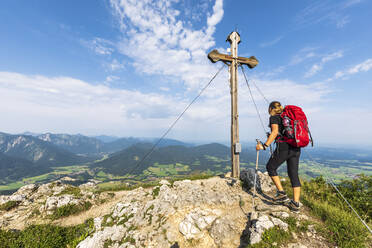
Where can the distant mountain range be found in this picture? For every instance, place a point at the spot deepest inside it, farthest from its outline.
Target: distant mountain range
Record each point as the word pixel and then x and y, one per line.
pixel 31 154
pixel 36 150
pixel 84 145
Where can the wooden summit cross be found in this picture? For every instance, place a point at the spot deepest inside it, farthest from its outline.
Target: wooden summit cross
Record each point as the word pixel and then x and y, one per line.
pixel 233 61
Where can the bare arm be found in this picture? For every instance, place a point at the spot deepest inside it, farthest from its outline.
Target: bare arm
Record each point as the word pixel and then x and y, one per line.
pixel 273 135
pixel 271 138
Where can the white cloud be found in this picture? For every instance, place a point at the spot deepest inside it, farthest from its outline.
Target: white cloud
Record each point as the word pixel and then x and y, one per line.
pixel 333 12
pixel 362 67
pixel 164 88
pixel 72 105
pixel 332 56
pixel 64 104
pixel 340 23
pixel 272 42
pixel 100 46
pixel 159 42
pixel 111 78
pixel 114 65
pixel 325 126
pixel 302 55
pixel 319 66
pixel 313 70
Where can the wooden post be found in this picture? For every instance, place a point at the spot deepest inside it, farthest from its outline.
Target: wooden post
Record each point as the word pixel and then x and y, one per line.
pixel 234 61
pixel 234 40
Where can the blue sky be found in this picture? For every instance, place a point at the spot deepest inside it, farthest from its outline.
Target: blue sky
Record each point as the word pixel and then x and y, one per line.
pixel 128 68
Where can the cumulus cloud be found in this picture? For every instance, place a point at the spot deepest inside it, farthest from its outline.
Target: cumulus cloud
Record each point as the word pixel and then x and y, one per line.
pixel 49 102
pixel 64 104
pixel 160 42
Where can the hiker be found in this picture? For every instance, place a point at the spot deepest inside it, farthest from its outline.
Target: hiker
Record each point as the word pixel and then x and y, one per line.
pixel 283 152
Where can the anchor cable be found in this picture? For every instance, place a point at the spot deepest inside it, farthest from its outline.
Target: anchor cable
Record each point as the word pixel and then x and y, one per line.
pixel 174 123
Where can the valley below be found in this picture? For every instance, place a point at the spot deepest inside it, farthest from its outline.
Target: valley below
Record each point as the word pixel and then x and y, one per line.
pixel 119 162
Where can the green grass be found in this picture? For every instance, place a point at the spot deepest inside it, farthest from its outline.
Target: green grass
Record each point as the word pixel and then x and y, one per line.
pixel 119 186
pixel 43 178
pixel 12 186
pixel 216 159
pixel 342 227
pixel 46 236
pixel 338 170
pixel 163 170
pixel 272 238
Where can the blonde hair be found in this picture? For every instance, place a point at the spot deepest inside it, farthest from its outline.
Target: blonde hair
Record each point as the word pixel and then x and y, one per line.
pixel 275 108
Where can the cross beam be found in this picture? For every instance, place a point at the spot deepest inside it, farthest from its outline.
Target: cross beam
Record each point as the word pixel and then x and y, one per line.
pixel 214 56
pixel 233 61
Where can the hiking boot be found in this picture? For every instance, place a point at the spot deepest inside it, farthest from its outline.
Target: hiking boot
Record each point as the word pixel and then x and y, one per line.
pixel 293 206
pixel 280 196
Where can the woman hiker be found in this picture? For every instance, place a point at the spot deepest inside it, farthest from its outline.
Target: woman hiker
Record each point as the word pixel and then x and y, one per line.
pixel 283 152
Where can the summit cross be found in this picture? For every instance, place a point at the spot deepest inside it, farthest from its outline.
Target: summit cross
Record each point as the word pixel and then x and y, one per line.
pixel 233 61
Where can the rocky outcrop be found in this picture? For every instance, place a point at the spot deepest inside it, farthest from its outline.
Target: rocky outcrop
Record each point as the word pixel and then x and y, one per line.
pixel 33 201
pixel 214 212
pixel 201 213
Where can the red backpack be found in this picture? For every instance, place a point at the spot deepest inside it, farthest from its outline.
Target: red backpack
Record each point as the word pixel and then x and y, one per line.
pixel 296 131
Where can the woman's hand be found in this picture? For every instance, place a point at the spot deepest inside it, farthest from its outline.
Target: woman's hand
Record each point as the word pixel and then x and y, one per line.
pixel 259 147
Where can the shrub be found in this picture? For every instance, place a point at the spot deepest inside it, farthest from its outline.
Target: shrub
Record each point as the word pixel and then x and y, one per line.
pixel 9 239
pixel 155 192
pixel 359 191
pixel 272 237
pixel 46 236
pixel 70 209
pixel 9 205
pixel 71 190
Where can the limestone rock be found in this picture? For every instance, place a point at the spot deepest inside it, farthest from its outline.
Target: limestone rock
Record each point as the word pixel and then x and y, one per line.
pixel 164 182
pixel 263 181
pixel 88 185
pixel 27 190
pixel 195 222
pixel 54 202
pixel 114 233
pixel 280 214
pixel 222 231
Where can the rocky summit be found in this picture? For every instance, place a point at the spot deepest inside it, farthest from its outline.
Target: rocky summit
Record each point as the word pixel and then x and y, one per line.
pixel 214 212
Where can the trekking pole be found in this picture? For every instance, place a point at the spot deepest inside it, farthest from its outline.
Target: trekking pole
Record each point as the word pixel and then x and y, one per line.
pixel 255 175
